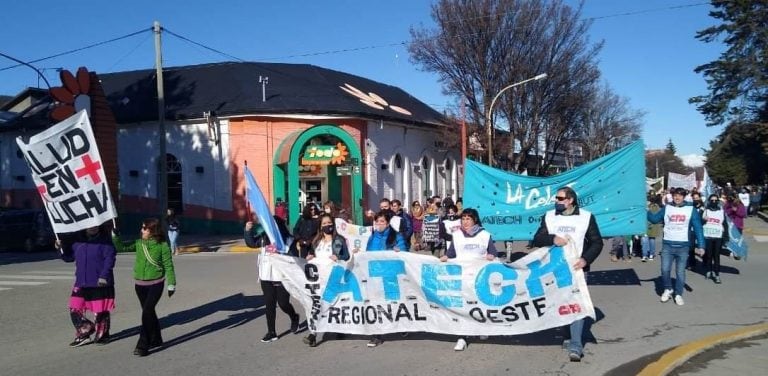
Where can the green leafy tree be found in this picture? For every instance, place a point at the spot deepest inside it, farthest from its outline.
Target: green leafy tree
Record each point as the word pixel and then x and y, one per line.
pixel 738 155
pixel 738 80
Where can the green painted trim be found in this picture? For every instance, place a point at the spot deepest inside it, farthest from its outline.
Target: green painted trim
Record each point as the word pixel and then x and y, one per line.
pixel 293 170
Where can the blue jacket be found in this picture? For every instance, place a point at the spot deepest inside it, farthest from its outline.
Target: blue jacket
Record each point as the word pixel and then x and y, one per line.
pixel 695 225
pixel 379 241
pixel 93 260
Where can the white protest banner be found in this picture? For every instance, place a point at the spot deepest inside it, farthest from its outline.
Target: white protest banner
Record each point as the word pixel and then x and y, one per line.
pixel 654 184
pixel 68 174
pixel 356 236
pixel 681 181
pixel 430 229
pixel 386 292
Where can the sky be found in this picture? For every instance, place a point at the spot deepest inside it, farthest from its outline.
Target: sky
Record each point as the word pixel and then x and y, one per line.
pixel 648 56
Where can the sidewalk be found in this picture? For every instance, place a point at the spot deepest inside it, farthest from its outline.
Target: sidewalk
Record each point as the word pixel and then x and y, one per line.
pixel 189 243
pixel 738 352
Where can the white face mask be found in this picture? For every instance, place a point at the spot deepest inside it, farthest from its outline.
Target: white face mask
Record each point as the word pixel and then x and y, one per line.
pixel 328 210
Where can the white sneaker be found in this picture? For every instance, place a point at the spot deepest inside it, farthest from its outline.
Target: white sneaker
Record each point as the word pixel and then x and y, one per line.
pixel 666 295
pixel 461 344
pixel 679 300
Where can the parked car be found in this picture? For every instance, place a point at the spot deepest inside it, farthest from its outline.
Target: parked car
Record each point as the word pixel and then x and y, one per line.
pixel 25 230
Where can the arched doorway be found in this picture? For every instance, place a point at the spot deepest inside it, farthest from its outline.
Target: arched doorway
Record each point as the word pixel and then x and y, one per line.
pixel 175 184
pixel 398 174
pixel 336 158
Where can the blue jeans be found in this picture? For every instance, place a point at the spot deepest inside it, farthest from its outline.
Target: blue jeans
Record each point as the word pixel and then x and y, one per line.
pixel 649 246
pixel 671 254
pixel 172 237
pixel 577 329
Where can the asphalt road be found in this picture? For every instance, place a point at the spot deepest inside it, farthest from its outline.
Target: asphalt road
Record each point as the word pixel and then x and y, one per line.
pixel 212 326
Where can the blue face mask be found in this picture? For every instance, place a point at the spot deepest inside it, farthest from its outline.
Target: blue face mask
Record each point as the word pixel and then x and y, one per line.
pixel 559 208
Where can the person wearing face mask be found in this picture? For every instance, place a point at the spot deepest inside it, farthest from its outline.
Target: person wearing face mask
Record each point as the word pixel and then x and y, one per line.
pixel 384 238
pixel 327 247
pixel 698 204
pixel 678 218
pixel 569 221
pixel 406 222
pixel 714 228
pixel 469 242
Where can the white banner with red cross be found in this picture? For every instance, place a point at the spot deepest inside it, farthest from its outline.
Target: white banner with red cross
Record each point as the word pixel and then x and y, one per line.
pixel 68 174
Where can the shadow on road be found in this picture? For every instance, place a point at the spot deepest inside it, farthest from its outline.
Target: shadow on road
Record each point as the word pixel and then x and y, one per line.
pixel 7 258
pixel 615 277
pixel 236 302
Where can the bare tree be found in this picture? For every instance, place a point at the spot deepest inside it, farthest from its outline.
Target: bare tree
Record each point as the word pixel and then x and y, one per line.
pixel 607 123
pixel 479 47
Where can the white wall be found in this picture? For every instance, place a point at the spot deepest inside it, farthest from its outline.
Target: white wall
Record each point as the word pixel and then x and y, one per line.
pixel 191 144
pixel 387 139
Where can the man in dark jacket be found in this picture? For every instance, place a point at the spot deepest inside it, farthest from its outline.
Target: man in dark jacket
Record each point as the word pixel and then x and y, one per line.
pixel 406 225
pixel 566 221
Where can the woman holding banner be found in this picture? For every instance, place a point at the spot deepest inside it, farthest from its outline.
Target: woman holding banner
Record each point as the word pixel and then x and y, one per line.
pixel 470 242
pixel 94 289
pixel 271 286
pixel 153 266
pixel 327 247
pixel 384 238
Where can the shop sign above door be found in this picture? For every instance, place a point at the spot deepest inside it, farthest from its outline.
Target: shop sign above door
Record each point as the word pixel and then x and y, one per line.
pixel 325 155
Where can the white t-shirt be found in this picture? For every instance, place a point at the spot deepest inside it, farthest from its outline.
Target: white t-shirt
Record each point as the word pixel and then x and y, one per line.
pixel 744 198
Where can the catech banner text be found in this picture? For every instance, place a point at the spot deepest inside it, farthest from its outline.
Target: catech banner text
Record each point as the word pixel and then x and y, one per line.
pixel 511 205
pixel 68 174
pixel 386 292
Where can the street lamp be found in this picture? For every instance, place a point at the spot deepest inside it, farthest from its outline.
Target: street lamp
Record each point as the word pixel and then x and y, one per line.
pixel 488 118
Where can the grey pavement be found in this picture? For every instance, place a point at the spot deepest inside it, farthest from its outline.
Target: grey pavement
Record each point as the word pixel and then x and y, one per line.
pixel 214 322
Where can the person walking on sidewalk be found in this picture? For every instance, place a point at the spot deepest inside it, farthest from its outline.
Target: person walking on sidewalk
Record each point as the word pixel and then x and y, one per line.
pixel 270 278
pixel 679 218
pixel 153 266
pixel 173 231
pixel 567 220
pixel 94 289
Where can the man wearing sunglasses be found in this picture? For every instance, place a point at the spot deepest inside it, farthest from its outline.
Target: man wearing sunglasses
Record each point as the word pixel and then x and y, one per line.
pixel 568 221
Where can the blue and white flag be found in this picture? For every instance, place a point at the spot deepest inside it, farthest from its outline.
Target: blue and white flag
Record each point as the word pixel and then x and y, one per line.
pixel 707 186
pixel 736 243
pixel 612 188
pixel 261 209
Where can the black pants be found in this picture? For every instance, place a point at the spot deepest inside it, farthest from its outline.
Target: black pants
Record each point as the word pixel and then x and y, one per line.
pixel 712 254
pixel 150 325
pixel 274 295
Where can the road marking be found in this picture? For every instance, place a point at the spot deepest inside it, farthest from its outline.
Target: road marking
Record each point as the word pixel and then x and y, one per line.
pixel 66 272
pixel 21 283
pixel 761 238
pixel 21 276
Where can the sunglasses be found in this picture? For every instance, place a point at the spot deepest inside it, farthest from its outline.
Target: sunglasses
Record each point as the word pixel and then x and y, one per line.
pixel 560 198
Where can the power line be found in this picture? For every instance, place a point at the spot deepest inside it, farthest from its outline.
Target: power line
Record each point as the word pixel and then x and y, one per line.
pixel 202 45
pixel 674 7
pixel 80 49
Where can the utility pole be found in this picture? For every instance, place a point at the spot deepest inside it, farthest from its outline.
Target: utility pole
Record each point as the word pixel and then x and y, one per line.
pixel 162 168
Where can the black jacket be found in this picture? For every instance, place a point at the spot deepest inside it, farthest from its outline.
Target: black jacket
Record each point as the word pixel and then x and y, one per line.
pixel 593 241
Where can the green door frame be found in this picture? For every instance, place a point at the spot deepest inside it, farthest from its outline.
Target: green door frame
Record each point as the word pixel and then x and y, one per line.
pixel 290 175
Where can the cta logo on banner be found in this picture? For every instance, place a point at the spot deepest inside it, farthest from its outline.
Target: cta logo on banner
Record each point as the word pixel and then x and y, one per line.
pixel 387 292
pixel 68 174
pixel 511 206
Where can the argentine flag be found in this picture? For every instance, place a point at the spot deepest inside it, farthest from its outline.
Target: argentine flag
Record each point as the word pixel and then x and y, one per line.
pixel 261 209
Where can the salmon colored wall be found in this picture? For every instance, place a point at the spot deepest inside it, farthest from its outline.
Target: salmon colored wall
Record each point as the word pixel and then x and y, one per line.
pixel 256 139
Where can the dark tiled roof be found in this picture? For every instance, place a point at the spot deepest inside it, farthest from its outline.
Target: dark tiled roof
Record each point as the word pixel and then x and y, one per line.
pixel 234 89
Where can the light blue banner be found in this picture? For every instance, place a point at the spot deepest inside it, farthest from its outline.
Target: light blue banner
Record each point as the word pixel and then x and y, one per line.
pixel 261 209
pixel 612 188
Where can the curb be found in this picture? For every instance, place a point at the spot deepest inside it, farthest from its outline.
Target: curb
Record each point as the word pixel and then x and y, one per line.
pixel 243 249
pixel 679 355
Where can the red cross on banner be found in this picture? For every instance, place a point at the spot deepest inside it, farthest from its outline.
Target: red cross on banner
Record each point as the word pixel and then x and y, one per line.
pixel 89 168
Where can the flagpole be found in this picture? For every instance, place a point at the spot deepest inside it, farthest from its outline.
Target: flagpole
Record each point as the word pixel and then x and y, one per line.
pixel 245 197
